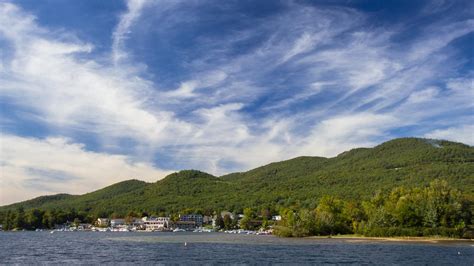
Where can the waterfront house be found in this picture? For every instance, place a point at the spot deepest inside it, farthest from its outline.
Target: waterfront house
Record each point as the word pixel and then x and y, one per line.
pixel 156 223
pixel 103 222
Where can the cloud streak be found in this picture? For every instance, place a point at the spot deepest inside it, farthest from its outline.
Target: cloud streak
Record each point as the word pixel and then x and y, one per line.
pixel 120 35
pixel 260 90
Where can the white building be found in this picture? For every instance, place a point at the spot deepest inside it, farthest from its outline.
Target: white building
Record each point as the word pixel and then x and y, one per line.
pixel 276 218
pixel 103 222
pixel 156 223
pixel 117 222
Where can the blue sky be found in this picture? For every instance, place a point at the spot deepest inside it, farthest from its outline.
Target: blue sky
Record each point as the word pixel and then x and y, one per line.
pixel 95 92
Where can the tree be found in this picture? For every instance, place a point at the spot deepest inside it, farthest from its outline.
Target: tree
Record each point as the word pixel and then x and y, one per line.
pixel 266 214
pixel 35 218
pixel 9 220
pixel 20 221
pixel 115 215
pixel 46 221
pixel 219 221
pixel 330 218
pixel 245 222
pixel 352 211
pixel 228 223
pixel 129 217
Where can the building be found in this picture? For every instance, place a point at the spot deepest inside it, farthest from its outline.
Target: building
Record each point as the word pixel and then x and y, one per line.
pixel 137 222
pixel 103 222
pixel 189 221
pixel 276 218
pixel 156 223
pixel 196 218
pixel 185 225
pixel 117 222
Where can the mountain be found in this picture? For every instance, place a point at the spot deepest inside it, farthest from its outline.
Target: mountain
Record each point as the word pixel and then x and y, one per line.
pixel 354 174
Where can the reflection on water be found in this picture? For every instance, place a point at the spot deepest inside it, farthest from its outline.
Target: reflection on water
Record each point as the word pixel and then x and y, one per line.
pixel 147 248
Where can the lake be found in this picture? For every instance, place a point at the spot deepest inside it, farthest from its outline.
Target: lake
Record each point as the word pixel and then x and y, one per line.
pixel 216 248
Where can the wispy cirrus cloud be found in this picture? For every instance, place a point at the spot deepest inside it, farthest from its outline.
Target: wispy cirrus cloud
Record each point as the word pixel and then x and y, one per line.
pixel 224 89
pixel 120 35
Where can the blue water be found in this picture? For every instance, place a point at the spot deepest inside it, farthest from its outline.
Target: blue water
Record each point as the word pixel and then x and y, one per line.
pixel 216 248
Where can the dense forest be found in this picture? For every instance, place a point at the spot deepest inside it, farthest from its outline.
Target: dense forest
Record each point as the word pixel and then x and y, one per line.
pixel 420 211
pixel 362 177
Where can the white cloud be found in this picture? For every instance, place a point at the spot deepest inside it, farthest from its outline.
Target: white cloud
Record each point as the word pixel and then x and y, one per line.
pixel 205 80
pixel 360 62
pixel 124 27
pixel 66 91
pixel 217 120
pixel 423 95
pixel 303 44
pixel 232 112
pixel 461 84
pixel 439 36
pixel 32 167
pixel 464 134
pixel 337 134
pixel 16 28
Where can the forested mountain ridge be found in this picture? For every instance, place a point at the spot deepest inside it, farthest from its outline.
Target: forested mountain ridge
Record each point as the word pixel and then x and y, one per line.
pixel 355 174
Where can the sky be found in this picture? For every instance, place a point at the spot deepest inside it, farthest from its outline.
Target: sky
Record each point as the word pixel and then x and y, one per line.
pixel 96 92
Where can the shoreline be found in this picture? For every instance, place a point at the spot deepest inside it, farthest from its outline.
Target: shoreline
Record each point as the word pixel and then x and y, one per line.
pixel 421 239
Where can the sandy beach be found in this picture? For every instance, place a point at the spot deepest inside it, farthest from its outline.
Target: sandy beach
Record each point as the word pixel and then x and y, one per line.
pixel 359 238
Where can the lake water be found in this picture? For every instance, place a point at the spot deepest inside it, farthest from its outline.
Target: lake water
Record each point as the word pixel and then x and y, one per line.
pixel 215 248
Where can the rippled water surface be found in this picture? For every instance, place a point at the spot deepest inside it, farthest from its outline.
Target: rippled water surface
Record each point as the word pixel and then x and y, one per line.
pixel 216 248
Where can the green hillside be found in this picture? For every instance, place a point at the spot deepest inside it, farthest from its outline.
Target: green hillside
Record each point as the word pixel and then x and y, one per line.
pixel 100 199
pixel 355 174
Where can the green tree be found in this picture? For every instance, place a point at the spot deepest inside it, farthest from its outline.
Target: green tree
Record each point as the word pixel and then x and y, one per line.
pixel 46 222
pixel 245 222
pixel 219 221
pixel 330 218
pixel 35 218
pixel 9 220
pixel 228 223
pixel 130 216
pixel 20 220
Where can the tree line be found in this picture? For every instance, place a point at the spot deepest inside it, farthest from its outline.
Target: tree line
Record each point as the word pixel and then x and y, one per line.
pixel 39 219
pixel 437 209
pixel 434 210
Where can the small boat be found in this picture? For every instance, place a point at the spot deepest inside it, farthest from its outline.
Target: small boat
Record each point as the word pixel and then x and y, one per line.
pixel 179 230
